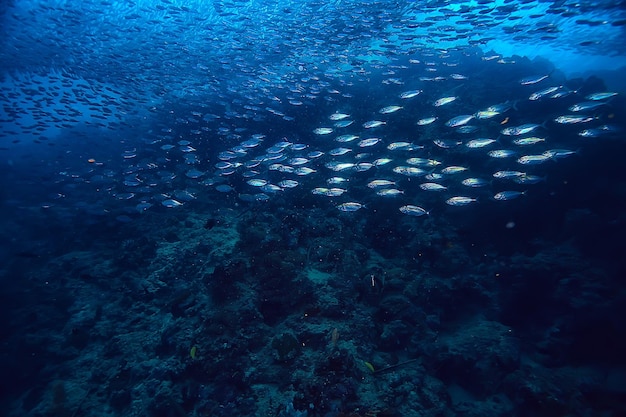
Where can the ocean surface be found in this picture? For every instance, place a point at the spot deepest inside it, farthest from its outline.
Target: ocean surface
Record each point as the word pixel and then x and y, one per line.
pixel 313 208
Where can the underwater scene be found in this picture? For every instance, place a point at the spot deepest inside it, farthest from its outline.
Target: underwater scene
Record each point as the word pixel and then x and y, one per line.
pixel 313 208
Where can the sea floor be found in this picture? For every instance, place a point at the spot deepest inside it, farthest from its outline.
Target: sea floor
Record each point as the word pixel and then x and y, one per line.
pixel 251 312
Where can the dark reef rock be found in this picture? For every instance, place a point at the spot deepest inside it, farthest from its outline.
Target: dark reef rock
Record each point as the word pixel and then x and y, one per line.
pixel 478 356
pixel 223 281
pixel 285 346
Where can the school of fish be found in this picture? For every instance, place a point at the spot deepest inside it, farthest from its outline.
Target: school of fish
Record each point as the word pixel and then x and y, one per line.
pixel 345 105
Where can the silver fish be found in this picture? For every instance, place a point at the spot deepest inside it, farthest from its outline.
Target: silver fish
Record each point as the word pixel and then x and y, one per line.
pixel 519 130
pixel 533 79
pixel 573 119
pixel 460 201
pixel 323 131
pixel 600 96
pixel 432 186
pixel 350 206
pixel 389 192
pixel 533 159
pixel 373 123
pixel 508 195
pixel 443 101
pixel 459 120
pixel 170 203
pixel 426 121
pixel 413 210
pixel 410 94
pixel 389 109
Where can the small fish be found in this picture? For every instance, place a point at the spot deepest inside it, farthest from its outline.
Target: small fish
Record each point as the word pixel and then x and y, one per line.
pixel 368 142
pixel 343 123
pixel 283 145
pixel 528 141
pixel 533 159
pixel 338 116
pixel 453 169
pixel 503 175
pixel 559 153
pixel 501 153
pixel 282 168
pixel 423 162
pixel 443 101
pixel 433 176
pixel 251 143
pixel 410 94
pixel 573 119
pixel 339 151
pixel 586 105
pixel 599 131
pixel 389 192
pixel 542 93
pixel 426 121
pixel 459 120
pixel 432 186
pixel 271 188
pixel 409 171
pixel 141 207
pixel 474 182
pixel 223 165
pixel 323 131
pixel 564 92
pixel 373 123
pixel 346 138
pixel 460 201
pixel 479 143
pixel 533 79
pixel 319 191
pixel 413 210
pixel 303 171
pixel 340 166
pixel 466 129
pixel 591 133
pixel 528 179
pixel 508 195
pixel 380 183
pixel 486 114
pixel 336 180
pixel 349 207
pixel 288 184
pixel 169 203
pixel 336 192
pixel 257 182
pixel 600 96
pixel 298 161
pixel 501 108
pixel 447 144
pixel 401 146
pixel 381 161
pixel 389 109
pixel 519 130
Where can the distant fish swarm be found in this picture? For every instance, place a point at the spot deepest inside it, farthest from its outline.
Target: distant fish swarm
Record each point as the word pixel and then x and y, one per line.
pixel 346 107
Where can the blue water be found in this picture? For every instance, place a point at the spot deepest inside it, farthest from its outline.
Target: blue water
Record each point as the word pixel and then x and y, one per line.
pixel 200 219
